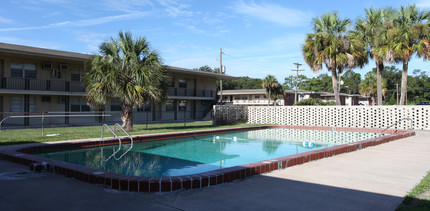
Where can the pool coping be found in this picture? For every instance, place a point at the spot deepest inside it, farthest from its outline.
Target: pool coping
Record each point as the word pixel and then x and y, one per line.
pixel 22 154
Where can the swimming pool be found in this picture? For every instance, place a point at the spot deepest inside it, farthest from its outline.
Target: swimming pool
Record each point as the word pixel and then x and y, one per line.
pixel 196 159
pixel 198 154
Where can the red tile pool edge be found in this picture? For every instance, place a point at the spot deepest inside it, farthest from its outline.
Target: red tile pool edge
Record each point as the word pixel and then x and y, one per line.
pixel 21 154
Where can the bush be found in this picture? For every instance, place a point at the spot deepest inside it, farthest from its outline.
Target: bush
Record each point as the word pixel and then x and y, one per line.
pixel 313 102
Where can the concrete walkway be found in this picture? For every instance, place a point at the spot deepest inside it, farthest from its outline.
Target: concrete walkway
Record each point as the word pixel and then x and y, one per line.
pixel 375 178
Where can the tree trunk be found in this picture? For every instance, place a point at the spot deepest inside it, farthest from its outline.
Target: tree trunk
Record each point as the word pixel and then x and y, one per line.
pixel 334 82
pixel 379 69
pixel 404 88
pixel 127 117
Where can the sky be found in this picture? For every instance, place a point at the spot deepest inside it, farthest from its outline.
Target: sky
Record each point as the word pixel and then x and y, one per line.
pixel 257 38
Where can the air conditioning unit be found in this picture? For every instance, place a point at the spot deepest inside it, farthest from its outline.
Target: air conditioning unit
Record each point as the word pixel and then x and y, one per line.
pixel 56 73
pixel 64 67
pixel 47 66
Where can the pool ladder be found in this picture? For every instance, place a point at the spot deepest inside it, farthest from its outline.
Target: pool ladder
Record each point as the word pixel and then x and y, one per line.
pixel 396 124
pixel 119 139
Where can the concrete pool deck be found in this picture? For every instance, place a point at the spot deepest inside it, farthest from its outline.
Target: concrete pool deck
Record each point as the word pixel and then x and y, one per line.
pixel 375 178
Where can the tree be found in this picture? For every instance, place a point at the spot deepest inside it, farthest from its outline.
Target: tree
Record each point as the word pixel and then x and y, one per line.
pixel 272 87
pixel 372 30
pixel 290 81
pixel 368 86
pixel 406 39
pixel 127 70
pixel 350 82
pixel 204 69
pixel 331 45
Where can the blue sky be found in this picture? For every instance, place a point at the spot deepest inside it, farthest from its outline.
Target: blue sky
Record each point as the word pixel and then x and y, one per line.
pixel 257 37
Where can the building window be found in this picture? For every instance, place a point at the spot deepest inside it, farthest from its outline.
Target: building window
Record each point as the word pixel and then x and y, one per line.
pixel 257 96
pixel 46 99
pixel 237 97
pixel 170 106
pixel 182 83
pixel 23 70
pixel 172 82
pixel 244 97
pixel 78 105
pixel 115 106
pixel 146 107
pixel 76 77
pixel 17 104
pixel 182 105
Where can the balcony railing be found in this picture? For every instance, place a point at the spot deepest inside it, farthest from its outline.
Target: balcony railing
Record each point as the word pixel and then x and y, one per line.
pixel 171 91
pixel 41 84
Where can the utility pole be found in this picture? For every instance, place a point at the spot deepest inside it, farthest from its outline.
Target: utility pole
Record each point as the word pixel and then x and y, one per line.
pixel 220 71
pixel 297 71
pixel 397 93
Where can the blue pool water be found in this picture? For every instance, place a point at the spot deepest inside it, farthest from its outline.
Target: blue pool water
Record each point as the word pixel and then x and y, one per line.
pixel 192 155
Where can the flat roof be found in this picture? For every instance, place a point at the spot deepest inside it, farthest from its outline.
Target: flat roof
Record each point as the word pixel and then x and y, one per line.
pixel 43 52
pixel 200 73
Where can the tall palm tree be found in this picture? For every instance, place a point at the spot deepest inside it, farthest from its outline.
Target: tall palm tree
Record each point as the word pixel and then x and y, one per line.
pixel 126 70
pixel 272 87
pixel 372 30
pixel 330 44
pixel 368 86
pixel 406 39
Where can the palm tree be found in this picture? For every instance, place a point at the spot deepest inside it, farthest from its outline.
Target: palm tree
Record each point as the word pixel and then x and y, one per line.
pixel 330 44
pixel 272 87
pixel 407 39
pixel 368 86
pixel 372 30
pixel 127 70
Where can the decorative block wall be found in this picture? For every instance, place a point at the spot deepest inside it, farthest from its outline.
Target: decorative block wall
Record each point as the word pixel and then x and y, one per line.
pixel 328 116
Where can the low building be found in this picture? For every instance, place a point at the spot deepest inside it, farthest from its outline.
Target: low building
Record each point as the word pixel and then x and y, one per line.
pixel 36 80
pixel 258 97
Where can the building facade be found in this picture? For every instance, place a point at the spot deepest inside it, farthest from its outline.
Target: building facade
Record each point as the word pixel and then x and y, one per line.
pixel 36 80
pixel 258 97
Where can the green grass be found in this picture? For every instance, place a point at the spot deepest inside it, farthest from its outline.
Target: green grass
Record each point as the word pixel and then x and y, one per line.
pixel 419 197
pixel 22 136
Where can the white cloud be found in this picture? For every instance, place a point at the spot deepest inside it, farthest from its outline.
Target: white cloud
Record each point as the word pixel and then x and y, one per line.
pixel 423 3
pixel 272 13
pixel 176 8
pixel 32 43
pixel 5 20
pixel 81 23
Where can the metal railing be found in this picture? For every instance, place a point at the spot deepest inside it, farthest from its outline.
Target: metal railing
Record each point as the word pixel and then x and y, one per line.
pixel 119 139
pixel 41 84
pixel 396 124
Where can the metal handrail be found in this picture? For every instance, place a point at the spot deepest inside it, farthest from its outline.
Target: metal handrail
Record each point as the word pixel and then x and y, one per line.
pixel 119 139
pixel 396 124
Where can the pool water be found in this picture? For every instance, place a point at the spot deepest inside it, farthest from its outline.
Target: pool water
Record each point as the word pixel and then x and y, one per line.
pixel 197 154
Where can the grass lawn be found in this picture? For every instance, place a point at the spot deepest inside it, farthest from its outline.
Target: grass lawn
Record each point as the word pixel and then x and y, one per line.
pixel 419 197
pixel 22 136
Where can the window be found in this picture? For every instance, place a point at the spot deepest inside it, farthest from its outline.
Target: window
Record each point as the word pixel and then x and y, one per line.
pixel 183 105
pixel 257 96
pixel 237 97
pixel 46 99
pixel 23 70
pixel 17 104
pixel 172 82
pixel 169 105
pixel 182 83
pixel 78 105
pixel 244 97
pixel 76 77
pixel 146 107
pixel 115 107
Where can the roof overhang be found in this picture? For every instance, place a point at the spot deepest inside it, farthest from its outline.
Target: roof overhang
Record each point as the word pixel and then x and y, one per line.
pixel 199 73
pixel 41 52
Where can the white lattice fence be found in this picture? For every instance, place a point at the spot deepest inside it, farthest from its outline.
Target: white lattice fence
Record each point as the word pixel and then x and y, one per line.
pixel 332 116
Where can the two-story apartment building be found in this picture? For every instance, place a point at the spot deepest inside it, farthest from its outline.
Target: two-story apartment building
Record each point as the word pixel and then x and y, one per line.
pixel 35 80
